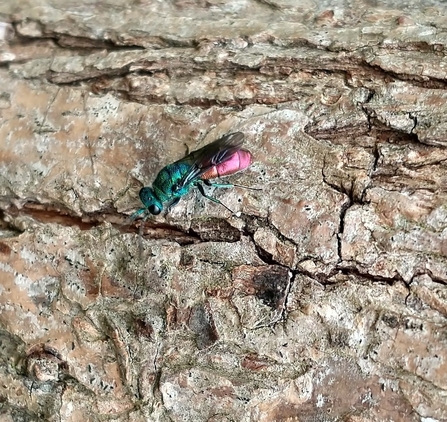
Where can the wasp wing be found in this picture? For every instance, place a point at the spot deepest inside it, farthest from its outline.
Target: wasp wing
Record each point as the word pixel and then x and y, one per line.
pixel 211 155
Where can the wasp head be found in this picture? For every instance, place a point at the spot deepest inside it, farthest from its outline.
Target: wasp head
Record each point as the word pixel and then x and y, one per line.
pixel 150 201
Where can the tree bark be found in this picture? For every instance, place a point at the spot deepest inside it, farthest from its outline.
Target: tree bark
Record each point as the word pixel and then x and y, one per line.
pixel 322 297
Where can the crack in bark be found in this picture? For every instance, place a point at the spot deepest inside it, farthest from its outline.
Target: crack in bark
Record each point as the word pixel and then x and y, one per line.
pixel 270 4
pixel 414 79
pixel 344 209
pixel 156 392
pixel 45 213
pixel 415 123
pixel 357 271
pixel 67 41
pixel 165 231
pixel 100 80
pixel 51 214
pixel 264 222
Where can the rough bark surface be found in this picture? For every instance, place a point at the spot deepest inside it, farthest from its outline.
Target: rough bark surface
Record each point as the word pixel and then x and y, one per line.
pixel 324 298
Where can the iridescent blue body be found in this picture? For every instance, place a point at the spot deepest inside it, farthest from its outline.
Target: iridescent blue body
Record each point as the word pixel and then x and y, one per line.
pixel 169 177
pixel 220 158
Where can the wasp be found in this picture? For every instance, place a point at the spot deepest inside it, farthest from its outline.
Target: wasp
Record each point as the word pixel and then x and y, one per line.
pixel 223 157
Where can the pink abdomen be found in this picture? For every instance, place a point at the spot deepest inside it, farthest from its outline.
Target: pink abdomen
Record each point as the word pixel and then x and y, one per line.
pixel 240 160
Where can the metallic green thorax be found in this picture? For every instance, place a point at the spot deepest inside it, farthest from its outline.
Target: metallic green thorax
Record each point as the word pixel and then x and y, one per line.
pixel 167 186
pixel 166 183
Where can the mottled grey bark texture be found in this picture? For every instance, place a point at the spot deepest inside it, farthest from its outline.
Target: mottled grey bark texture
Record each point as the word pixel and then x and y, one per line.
pixel 323 299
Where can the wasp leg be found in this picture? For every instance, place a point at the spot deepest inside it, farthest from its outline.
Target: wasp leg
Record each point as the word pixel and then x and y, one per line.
pixel 136 214
pixel 227 185
pixel 173 204
pixel 201 190
pixel 130 220
pixel 218 185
